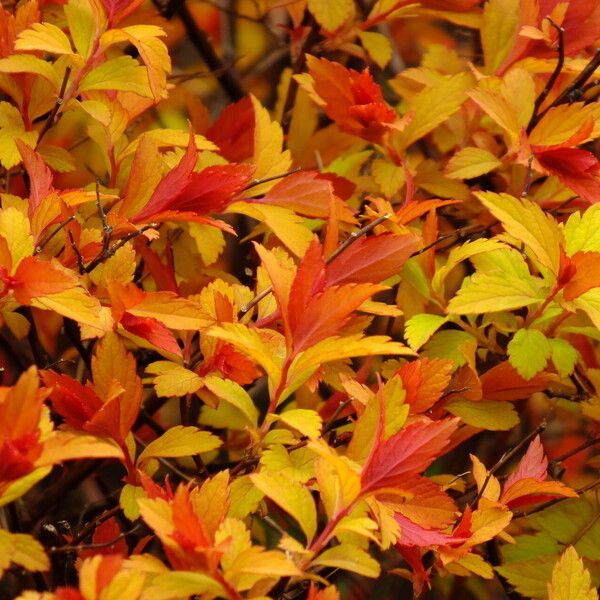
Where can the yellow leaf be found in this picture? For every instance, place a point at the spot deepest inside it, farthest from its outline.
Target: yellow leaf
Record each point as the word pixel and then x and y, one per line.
pixel 23 550
pixel 173 379
pixel 268 142
pixel 291 496
pixel 75 303
pixel 12 129
pixel 27 63
pixel 486 414
pixel 84 22
pixel 286 224
pixel 338 348
pixel 528 223
pixel 70 445
pixel 254 564
pixel 245 497
pixel 378 47
pixel 46 37
pixel 182 584
pixel 180 441
pixel 119 267
pixel 171 311
pixel 167 138
pixel 210 241
pixel 499 31
pixel 433 106
pixel 307 422
pixel 21 486
pixel 350 558
pixel 388 176
pixel 122 73
pixel 492 489
pixel 559 124
pixel 234 394
pixel 331 15
pixel 297 464
pixel 14 228
pixel 471 162
pixel 570 579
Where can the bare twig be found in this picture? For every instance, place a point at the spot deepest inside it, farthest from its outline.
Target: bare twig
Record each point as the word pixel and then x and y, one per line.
pixel 80 264
pixel 81 547
pixel 106 228
pixel 53 116
pixel 51 235
pixel 272 178
pixel 552 80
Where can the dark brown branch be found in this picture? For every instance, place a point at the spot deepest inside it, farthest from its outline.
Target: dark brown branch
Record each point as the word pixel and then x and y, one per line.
pixel 80 264
pixel 552 80
pixel 226 76
pixel 52 117
pixel 81 547
pixel 51 235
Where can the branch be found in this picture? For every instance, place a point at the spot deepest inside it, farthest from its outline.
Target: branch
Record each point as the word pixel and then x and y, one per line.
pixel 81 547
pixel 341 248
pixel 226 76
pixel 52 117
pixel 550 83
pixel 51 236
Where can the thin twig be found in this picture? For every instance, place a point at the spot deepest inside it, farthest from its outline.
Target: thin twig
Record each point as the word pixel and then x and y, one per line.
pixel 52 117
pixel 91 526
pixel 106 228
pixel 82 547
pixel 272 178
pixel 557 70
pixel 80 264
pixel 506 457
pixel 51 236
pixel 341 248
pixel 580 448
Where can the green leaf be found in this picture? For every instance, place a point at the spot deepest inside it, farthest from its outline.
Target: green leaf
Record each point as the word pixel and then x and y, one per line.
pixel 494 292
pixel 564 356
pixel 180 441
pixel 419 328
pixel 446 344
pixel 582 231
pixel 528 352
pixel 82 25
pixel 485 414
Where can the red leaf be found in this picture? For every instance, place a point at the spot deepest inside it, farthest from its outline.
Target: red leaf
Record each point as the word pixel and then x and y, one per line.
pixel 233 131
pixel 371 259
pixel 412 534
pixel 40 176
pixel 534 464
pixel 153 331
pixel 502 382
pixel 424 381
pixel 407 453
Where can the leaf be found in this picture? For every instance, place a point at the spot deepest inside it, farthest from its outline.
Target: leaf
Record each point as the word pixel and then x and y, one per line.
pixel 570 579
pixel 179 441
pixel 46 37
pixel 419 328
pixel 433 106
pixel 15 229
pixel 564 356
pixel 121 73
pixel 69 445
pixel 503 382
pixel 12 131
pixel 307 422
pixel 493 292
pixel 528 352
pixel 181 584
pixel 582 231
pixel 23 550
pixel 173 379
pixel 371 259
pixel 471 162
pixel 331 15
pixel 499 31
pixel 27 63
pixel 586 275
pixel 527 222
pixel 378 47
pixel 82 21
pixel 269 158
pixel 388 176
pixel 291 496
pixel 486 414
pixel 350 558
pixel 233 394
pixel 407 453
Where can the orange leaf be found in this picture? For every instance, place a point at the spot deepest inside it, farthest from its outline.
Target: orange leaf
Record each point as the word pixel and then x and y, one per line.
pixel 35 278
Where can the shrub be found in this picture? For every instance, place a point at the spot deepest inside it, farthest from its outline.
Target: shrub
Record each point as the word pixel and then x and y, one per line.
pixel 311 312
